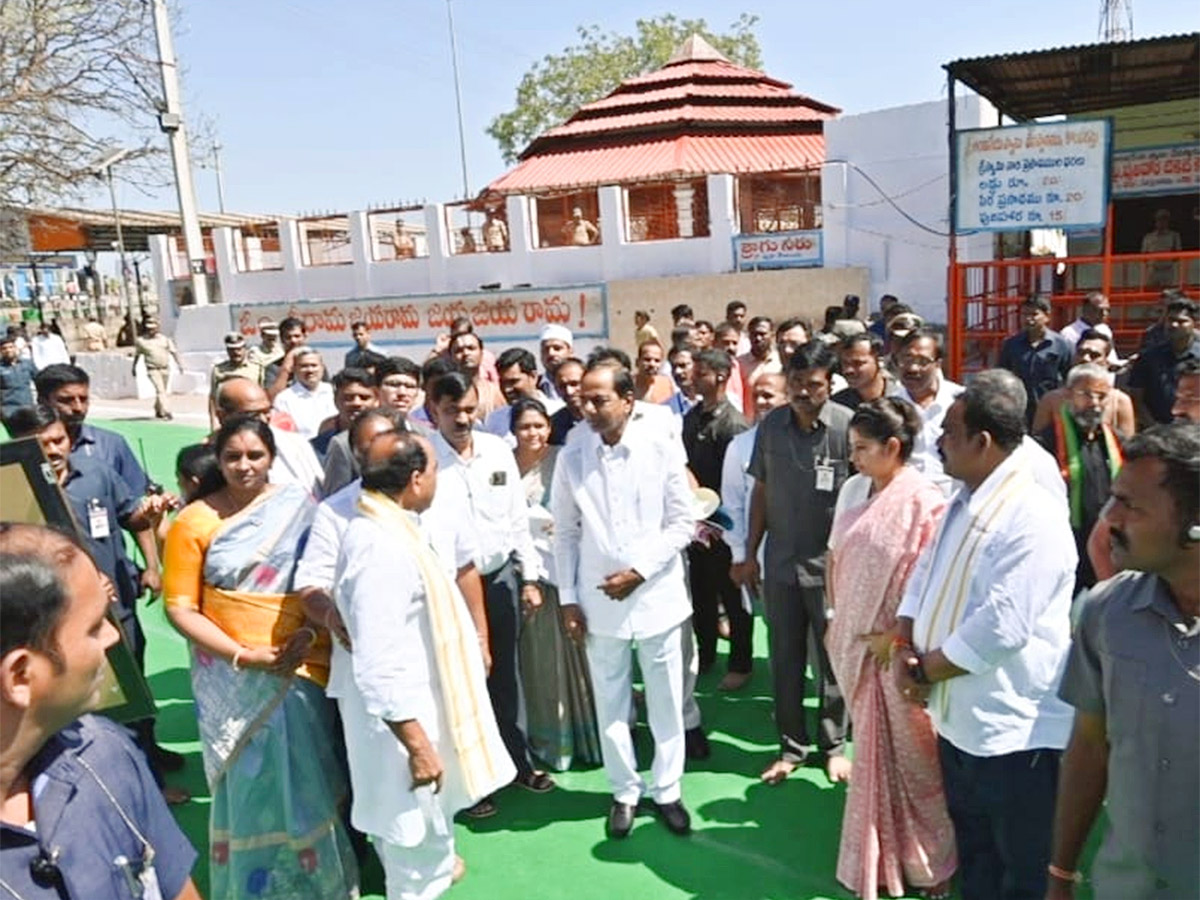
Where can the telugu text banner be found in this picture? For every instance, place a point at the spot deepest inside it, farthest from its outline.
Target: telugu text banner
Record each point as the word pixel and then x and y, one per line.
pixel 505 315
pixel 1156 170
pixel 1019 177
pixel 780 250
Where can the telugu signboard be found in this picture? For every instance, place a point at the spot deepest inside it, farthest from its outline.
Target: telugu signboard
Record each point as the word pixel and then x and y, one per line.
pixel 780 250
pixel 1156 170
pixel 515 316
pixel 1033 176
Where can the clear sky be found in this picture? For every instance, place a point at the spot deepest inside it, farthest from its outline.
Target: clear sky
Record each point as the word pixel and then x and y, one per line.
pixel 337 104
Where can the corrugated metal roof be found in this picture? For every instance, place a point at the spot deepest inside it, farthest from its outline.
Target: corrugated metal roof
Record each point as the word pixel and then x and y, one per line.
pixel 1085 78
pixel 701 69
pixel 676 92
pixel 135 218
pixel 679 157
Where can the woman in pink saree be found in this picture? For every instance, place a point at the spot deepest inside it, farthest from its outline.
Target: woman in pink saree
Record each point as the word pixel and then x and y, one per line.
pixel 896 831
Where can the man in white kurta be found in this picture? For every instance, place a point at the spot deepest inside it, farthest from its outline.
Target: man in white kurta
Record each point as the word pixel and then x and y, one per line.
pixel 984 634
pixel 622 513
pixel 406 766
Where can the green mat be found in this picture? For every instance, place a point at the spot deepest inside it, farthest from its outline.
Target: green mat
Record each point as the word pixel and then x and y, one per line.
pixel 750 841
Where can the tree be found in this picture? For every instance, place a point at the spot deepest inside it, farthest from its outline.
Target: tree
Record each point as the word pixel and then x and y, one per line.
pixel 556 86
pixel 76 77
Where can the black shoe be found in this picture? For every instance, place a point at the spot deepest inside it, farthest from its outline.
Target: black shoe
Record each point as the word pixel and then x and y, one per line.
pixel 166 760
pixel 620 819
pixel 695 744
pixel 675 817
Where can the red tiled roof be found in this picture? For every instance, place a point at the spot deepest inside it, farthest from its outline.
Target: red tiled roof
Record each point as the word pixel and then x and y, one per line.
pixel 687 114
pixel 698 114
pixel 680 157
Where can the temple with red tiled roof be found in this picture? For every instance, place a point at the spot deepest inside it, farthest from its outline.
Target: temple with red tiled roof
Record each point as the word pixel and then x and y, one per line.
pixel 659 135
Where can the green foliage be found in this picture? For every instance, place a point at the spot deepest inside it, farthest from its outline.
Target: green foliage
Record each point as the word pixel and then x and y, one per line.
pixel 555 87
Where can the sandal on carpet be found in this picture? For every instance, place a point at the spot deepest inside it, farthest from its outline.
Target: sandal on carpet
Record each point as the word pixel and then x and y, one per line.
pixel 538 782
pixel 484 809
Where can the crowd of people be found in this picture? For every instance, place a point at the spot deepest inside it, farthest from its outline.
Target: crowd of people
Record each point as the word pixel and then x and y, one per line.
pixel 409 585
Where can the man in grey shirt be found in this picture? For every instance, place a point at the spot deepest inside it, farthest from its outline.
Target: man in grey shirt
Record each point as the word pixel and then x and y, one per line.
pixel 1133 677
pixel 800 460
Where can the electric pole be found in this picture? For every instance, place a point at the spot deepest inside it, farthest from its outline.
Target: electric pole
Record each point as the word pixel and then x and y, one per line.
pixel 170 120
pixel 1116 21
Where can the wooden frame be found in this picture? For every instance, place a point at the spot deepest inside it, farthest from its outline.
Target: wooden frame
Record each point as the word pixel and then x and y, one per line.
pixel 30 493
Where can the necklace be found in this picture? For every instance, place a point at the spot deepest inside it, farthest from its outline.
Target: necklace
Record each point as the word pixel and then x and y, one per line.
pixel 1192 672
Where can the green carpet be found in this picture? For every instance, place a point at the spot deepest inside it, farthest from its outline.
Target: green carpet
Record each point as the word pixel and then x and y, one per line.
pixel 751 841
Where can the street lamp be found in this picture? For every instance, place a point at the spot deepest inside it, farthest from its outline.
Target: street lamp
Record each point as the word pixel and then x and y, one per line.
pixel 103 169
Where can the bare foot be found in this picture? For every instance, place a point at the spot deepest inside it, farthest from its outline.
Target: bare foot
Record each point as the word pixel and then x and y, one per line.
pixel 838 769
pixel 777 771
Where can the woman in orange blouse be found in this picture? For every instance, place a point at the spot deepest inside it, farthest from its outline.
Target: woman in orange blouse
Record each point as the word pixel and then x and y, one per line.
pixel 258 675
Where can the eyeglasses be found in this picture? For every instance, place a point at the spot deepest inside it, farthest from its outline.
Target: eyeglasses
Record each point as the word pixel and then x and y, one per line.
pixel 917 362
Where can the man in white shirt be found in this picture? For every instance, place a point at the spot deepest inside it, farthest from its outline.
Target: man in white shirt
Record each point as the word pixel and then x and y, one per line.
pixel 984 635
pixel 770 392
pixel 314 578
pixel 421 740
pixel 919 361
pixel 295 461
pixel 622 513
pixel 485 471
pixel 308 399
pixel 1093 315
pixel 48 348
pixel 555 345
pixel 518 378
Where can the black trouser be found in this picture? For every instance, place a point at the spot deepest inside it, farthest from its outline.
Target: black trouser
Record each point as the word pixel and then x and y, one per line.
pixel 143 729
pixel 1003 812
pixel 794 615
pixel 708 569
pixel 502 595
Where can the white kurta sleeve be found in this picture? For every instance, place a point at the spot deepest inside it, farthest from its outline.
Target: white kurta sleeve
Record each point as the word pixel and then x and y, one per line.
pixel 568 531
pixel 736 500
pixel 381 596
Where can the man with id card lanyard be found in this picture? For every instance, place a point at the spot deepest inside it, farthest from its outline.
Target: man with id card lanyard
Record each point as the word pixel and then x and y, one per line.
pixel 800 461
pixel 81 815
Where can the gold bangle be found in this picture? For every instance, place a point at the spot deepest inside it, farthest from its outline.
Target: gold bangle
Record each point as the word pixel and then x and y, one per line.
pixel 1064 875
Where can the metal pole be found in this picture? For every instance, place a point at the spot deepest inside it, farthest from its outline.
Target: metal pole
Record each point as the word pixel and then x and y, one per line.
pixel 137 280
pixel 462 140
pixel 954 316
pixel 171 122
pixel 126 300
pixel 220 181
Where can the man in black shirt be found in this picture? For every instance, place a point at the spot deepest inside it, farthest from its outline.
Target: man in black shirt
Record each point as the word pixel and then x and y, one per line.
pixel 1156 371
pixel 708 428
pixel 1088 454
pixel 861 367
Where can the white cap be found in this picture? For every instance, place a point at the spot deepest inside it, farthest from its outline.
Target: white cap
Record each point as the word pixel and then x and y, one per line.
pixel 557 333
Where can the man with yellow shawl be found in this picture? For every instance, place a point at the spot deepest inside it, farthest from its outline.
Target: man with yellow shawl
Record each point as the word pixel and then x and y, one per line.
pixel 421 738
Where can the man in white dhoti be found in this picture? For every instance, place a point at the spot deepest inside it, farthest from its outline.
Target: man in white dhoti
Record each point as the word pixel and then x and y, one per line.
pixel 420 735
pixel 622 513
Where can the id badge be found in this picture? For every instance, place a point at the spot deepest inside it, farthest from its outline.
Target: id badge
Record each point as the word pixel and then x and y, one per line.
pixel 824 478
pixel 98 522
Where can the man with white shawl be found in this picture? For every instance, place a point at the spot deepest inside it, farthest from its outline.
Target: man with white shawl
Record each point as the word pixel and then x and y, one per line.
pixel 984 635
pixel 421 738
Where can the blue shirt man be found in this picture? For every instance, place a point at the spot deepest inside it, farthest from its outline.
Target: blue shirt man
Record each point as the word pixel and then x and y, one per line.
pixel 1041 358
pixel 16 379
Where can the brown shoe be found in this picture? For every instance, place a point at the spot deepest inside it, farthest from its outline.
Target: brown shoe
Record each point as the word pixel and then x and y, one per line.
pixel 733 681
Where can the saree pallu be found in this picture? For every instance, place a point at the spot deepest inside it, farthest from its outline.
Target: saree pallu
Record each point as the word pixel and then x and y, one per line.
pixel 560 709
pixel 270 742
pixel 896 830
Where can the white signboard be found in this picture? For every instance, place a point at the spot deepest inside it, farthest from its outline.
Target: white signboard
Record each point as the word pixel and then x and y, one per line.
pixel 513 316
pixel 1033 176
pixel 1156 170
pixel 780 250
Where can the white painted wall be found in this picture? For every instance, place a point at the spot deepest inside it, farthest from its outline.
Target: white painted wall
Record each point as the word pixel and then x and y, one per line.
pixel 905 151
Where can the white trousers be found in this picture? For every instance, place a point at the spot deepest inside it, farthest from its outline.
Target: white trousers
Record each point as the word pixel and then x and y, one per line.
pixel 422 872
pixel 661 661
